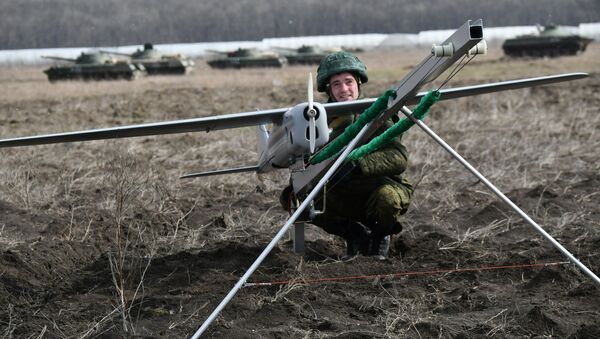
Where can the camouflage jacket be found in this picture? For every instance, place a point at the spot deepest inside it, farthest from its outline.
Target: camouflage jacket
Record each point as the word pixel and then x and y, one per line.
pixel 387 163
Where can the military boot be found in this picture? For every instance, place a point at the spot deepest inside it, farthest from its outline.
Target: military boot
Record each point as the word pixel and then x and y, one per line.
pixel 357 240
pixel 379 247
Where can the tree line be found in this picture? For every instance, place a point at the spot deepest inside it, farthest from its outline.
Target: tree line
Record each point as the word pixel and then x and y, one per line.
pixel 72 23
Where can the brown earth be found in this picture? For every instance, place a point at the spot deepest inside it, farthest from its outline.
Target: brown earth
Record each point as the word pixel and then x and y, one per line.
pixel 101 239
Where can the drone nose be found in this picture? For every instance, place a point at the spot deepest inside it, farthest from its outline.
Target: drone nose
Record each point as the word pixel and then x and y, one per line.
pixel 312 113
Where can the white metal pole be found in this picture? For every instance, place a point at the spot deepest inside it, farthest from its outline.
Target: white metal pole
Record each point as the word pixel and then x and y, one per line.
pixel 281 232
pixel 496 191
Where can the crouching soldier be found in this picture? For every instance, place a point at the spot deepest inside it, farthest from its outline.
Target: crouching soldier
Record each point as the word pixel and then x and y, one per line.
pixel 364 198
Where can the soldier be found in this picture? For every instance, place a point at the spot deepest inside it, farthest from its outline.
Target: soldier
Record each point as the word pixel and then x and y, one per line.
pixel 364 198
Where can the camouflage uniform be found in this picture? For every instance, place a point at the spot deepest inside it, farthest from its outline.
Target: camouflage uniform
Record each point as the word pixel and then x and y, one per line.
pixel 375 194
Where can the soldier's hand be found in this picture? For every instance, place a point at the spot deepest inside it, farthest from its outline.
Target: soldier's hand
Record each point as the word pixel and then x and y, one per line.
pixel 285 198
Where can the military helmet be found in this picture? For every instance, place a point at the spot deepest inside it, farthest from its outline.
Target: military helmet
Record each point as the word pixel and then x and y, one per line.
pixel 339 62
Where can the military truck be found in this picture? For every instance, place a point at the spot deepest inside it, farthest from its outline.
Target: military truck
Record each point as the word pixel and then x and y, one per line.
pixel 93 66
pixel 247 57
pixel 550 41
pixel 157 63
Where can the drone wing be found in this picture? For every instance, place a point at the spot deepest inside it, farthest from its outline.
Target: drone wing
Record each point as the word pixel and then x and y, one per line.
pixel 205 124
pixel 341 108
pixel 273 116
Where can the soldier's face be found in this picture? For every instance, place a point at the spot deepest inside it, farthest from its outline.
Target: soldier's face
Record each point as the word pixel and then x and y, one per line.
pixel 343 87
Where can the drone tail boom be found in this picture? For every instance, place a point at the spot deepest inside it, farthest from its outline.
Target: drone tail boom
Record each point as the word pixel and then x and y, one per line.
pixel 262 143
pixel 221 171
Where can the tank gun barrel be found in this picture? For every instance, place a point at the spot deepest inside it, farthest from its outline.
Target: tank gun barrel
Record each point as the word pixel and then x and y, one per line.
pixel 58 58
pixel 215 51
pixel 115 53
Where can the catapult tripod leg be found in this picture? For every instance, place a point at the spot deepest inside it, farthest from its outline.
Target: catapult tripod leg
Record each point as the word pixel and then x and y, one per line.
pixel 498 193
pixel 285 228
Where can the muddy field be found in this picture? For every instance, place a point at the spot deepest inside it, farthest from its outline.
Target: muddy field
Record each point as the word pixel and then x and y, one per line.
pixel 101 239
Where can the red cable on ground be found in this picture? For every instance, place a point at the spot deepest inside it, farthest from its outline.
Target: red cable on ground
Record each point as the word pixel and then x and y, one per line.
pixel 392 275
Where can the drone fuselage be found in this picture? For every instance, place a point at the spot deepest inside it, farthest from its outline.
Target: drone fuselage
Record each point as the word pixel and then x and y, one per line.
pixel 289 141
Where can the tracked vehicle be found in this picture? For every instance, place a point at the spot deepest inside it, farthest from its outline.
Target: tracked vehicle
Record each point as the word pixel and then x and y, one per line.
pixel 93 66
pixel 551 41
pixel 247 57
pixel 157 63
pixel 304 55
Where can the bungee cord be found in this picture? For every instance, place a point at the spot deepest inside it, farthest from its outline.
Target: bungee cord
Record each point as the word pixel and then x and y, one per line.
pixel 456 69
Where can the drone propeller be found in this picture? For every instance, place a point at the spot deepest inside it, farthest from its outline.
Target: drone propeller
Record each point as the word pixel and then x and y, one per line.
pixel 311 113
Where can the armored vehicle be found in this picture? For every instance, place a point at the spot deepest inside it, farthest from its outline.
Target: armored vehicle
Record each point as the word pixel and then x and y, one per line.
pixel 157 63
pixel 551 41
pixel 305 55
pixel 93 66
pixel 248 57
